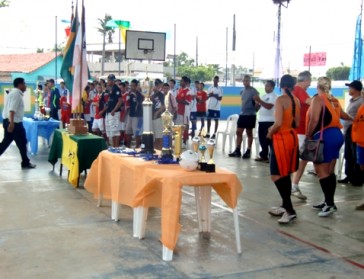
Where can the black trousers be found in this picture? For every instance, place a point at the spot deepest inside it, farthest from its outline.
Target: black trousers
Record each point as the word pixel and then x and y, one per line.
pixel 19 136
pixel 54 113
pixel 262 133
pixel 352 169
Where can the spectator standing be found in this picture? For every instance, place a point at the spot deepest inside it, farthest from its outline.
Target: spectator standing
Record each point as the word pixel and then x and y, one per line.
pixel 13 114
pixel 214 96
pixel 266 118
pixel 352 169
pixel 54 100
pixel 247 118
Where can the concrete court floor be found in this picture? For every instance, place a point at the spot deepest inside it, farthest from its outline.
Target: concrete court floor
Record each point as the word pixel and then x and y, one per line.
pixel 48 229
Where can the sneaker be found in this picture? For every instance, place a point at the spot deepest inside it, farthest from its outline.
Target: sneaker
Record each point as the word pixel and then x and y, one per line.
pixel 298 194
pixel 321 206
pixel 277 211
pixel 327 210
pixel 213 136
pixel 260 159
pixel 287 218
pixel 29 166
pixel 207 136
pixel 344 181
pixel 246 154
pixel 236 153
pixel 360 206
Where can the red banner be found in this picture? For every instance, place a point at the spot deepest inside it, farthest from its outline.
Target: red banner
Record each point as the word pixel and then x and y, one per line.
pixel 314 59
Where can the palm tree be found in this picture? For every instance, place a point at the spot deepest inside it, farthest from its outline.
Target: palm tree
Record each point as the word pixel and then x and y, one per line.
pixel 104 30
pixel 4 3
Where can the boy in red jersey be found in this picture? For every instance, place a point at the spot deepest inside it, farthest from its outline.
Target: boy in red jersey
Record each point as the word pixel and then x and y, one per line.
pixel 201 98
pixel 184 100
pixel 65 110
pixel 98 126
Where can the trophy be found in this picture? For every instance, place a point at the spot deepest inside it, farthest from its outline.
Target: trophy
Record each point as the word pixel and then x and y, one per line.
pixel 202 148
pixel 196 143
pixel 147 136
pixel 210 148
pixel 167 121
pixel 178 133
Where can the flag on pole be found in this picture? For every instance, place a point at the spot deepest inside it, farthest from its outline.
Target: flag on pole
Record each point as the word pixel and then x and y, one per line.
pixel 80 77
pixel 123 26
pixel 357 68
pixel 66 68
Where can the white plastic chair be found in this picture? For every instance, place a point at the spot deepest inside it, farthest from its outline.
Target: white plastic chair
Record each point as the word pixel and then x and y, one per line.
pixel 255 141
pixel 230 131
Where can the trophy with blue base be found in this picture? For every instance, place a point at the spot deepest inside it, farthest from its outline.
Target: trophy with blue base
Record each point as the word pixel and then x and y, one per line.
pixel 210 167
pixel 202 148
pixel 167 121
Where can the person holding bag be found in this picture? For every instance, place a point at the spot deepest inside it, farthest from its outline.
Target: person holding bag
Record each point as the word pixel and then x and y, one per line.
pixel 323 122
pixel 284 147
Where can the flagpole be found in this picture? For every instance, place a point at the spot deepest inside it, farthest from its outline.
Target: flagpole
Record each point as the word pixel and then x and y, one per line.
pixel 174 53
pixel 81 56
pixel 226 58
pixel 55 49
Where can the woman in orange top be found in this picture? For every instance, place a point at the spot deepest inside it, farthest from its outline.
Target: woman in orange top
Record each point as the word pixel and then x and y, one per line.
pixel 357 134
pixel 333 139
pixel 284 155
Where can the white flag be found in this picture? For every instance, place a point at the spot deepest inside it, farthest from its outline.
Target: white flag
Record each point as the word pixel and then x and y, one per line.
pixel 80 77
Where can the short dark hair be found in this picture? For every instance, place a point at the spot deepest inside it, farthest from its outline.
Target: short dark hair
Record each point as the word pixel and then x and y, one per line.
pixel 173 81
pixel 197 82
pixel 287 82
pixel 185 79
pixel 40 86
pixel 165 84
pixel 216 77
pixel 18 81
pixel 62 82
pixel 127 82
pixel 51 80
pixel 122 84
pixel 135 81
pixel 157 81
pixel 271 83
pixel 202 84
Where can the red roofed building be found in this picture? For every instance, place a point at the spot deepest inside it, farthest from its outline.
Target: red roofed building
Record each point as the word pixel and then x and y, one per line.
pixel 33 67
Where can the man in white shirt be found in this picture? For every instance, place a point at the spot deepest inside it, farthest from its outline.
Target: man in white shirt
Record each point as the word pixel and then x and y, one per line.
pixel 214 96
pixel 13 114
pixel 172 87
pixel 265 118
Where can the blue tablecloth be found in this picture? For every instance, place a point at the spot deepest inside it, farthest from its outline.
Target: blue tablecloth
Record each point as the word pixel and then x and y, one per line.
pixel 39 128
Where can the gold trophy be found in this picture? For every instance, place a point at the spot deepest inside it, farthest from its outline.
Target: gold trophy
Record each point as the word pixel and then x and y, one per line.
pixel 178 134
pixel 167 122
pixel 202 148
pixel 210 148
pixel 195 143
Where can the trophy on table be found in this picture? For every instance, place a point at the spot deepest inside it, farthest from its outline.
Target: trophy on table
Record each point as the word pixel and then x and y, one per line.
pixel 202 148
pixel 147 145
pixel 178 134
pixel 167 121
pixel 196 143
pixel 210 167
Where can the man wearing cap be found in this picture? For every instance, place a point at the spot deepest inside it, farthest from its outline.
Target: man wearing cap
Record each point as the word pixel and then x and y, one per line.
pixel 352 169
pixel 112 119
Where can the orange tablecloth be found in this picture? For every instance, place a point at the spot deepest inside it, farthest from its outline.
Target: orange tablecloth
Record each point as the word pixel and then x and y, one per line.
pixel 135 182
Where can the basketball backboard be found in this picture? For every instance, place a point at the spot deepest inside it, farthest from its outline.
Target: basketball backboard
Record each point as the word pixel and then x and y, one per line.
pixel 142 45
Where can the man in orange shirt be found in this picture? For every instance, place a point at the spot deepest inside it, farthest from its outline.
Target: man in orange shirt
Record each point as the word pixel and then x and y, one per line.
pixel 300 92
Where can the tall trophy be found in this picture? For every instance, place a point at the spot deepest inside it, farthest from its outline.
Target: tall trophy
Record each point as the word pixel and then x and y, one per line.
pixel 196 143
pixel 178 134
pixel 147 145
pixel 167 121
pixel 202 148
pixel 210 148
